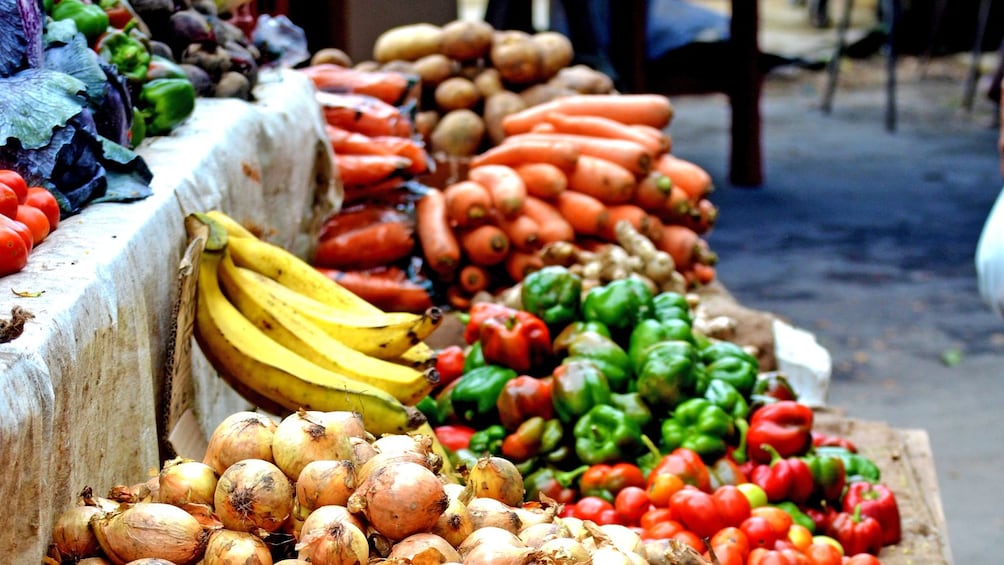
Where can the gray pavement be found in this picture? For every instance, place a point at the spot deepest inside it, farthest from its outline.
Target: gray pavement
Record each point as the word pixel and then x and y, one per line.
pixel 866 238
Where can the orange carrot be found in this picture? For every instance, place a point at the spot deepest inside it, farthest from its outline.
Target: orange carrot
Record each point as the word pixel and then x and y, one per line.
pixel 650 109
pixel 657 194
pixel 543 180
pixel 368 169
pixel 687 175
pixel 701 274
pixel 357 193
pixel 635 215
pixel 387 288
pixel 439 243
pixel 685 246
pixel 628 154
pixel 660 137
pixel 364 114
pixel 587 214
pixel 551 225
pixel 513 153
pixel 604 180
pixel 369 246
pixel 519 264
pixel 457 298
pixel 522 230
pixel 473 278
pixel 599 126
pixel 468 203
pixel 543 127
pixel 702 216
pixel 353 142
pixel 405 147
pixel 485 245
pixel 390 87
pixel 507 189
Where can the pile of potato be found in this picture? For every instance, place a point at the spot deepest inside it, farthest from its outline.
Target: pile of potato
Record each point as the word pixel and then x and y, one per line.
pixel 473 75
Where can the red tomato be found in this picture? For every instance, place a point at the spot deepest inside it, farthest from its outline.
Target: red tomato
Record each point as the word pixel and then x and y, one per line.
pixel 8 201
pixel 728 554
pixel 653 516
pixel 823 554
pixel 862 559
pixel 662 530
pixel 631 503
pixel 42 199
pixel 759 532
pixel 591 507
pixel 690 538
pixel 607 516
pixel 13 252
pixel 20 229
pixel 733 537
pixel 36 221
pixel 662 486
pixel 14 180
pixel 779 519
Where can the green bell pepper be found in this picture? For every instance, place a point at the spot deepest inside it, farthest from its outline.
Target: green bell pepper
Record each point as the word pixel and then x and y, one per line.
pixel 165 103
pixel 128 55
pixel 475 357
pixel 488 441
pixel 669 305
pixel 668 373
pixel 700 426
pixel 578 386
pixel 620 305
pixel 162 67
pixel 476 393
pixel 797 516
pixel 553 294
pixel 606 354
pixel 738 372
pixel 463 459
pixel 857 467
pixel 632 404
pixel 829 476
pixel 728 398
pixel 90 19
pixel 137 132
pixel 719 349
pixel 431 410
pixel 604 435
pixel 559 345
pixel 647 333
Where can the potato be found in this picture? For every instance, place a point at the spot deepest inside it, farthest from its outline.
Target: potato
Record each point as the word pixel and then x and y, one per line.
pixel 425 123
pixel 458 133
pixel 489 82
pixel 556 53
pixel 497 107
pixel 517 57
pixel 583 79
pixel 407 42
pixel 455 93
pixel 399 66
pixel 466 40
pixel 543 92
pixel 434 69
pixel 331 55
pixel 367 66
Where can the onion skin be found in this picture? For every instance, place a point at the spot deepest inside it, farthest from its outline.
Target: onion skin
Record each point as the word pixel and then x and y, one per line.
pixel 488 534
pixel 72 534
pixel 227 547
pixel 502 554
pixel 253 495
pixel 292 561
pixel 309 435
pixel 151 561
pixel 400 499
pixel 150 529
pixel 362 451
pixel 430 548
pixel 183 482
pixel 486 512
pixel 454 524
pixel 241 435
pixel 565 551
pixel 327 515
pixel 325 482
pixel 498 478
pixel 94 561
pixel 337 543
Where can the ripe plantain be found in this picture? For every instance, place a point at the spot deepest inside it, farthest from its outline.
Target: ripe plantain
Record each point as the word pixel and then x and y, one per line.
pixel 287 324
pixel 264 369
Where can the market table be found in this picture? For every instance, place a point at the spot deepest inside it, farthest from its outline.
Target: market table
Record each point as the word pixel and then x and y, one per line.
pixel 82 397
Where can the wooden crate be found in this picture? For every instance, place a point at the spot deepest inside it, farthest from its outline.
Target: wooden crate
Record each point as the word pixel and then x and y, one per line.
pixel 907 464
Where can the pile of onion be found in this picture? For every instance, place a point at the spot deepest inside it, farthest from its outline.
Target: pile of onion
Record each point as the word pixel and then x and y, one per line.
pixel 253 495
pixel 241 435
pixel 150 529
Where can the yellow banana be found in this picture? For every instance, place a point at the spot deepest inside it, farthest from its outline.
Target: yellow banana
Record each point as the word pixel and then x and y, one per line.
pixel 265 370
pixel 419 355
pixel 385 336
pixel 286 324
pixel 232 226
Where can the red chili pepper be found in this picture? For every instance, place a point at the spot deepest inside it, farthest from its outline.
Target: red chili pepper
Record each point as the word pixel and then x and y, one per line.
pixel 454 437
pixel 523 398
pixel 784 479
pixel 687 465
pixel 856 533
pixel 879 502
pixel 450 364
pixel 785 425
pixel 520 341
pixel 705 514
pixel 819 439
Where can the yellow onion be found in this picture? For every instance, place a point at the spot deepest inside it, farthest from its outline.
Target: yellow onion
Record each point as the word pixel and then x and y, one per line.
pixel 241 435
pixel 362 450
pixel 498 478
pixel 184 481
pixel 309 435
pixel 565 551
pixel 326 481
pixel 424 548
pixel 149 529
pixel 488 535
pixel 253 495
pixel 491 512
pixel 227 547
pixel 292 561
pixel 536 535
pixel 400 499
pixel 503 554
pixel 151 561
pixel 335 542
pixel 454 524
pixel 403 443
pixel 72 535
pixel 326 515
pixel 94 561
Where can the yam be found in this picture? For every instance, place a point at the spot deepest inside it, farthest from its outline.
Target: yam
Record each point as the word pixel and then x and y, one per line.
pixel 497 107
pixel 517 57
pixel 456 93
pixel 556 53
pixel 466 40
pixel 408 42
pixel 458 133
pixel 434 69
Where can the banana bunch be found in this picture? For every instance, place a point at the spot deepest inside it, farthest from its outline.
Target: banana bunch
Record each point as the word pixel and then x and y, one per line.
pixel 286 337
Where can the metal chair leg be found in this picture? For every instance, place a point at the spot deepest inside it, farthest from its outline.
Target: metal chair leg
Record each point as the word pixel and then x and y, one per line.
pixel 833 69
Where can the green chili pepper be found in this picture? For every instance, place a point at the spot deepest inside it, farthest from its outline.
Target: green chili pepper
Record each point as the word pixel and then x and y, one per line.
pixel 476 393
pixel 700 426
pixel 728 398
pixel 650 332
pixel 606 354
pixel 165 103
pixel 90 19
pixel 489 440
pixel 553 294
pixel 620 305
pixel 604 435
pixel 668 373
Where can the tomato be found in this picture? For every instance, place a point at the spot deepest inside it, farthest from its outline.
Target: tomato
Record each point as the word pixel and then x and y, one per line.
pixel 8 201
pixel 754 493
pixel 631 503
pixel 728 555
pixel 690 538
pixel 732 537
pixel 42 199
pixel 591 507
pixel 14 180
pixel 21 230
pixel 652 517
pixel 759 531
pixel 779 519
pixel 862 559
pixel 607 516
pixel 36 221
pixel 662 487
pixel 822 554
pixel 665 529
pixel 13 252
pixel 764 556
pixel 799 536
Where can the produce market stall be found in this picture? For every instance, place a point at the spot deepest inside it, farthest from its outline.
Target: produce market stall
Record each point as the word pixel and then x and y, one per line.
pixel 83 382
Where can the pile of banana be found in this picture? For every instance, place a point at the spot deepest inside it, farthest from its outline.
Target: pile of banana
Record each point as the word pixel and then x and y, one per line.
pixel 287 337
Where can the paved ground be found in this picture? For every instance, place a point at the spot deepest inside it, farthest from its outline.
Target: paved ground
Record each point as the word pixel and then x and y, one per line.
pixel 866 238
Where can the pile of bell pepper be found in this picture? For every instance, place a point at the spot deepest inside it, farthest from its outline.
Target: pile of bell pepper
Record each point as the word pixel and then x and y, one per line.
pixel 610 402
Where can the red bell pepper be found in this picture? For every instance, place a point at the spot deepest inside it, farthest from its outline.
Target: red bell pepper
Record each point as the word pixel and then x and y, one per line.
pixel 450 364
pixel 725 471
pixel 480 312
pixel 856 533
pixel 687 465
pixel 705 514
pixel 785 425
pixel 520 341
pixel 819 439
pixel 879 502
pixel 523 398
pixel 454 437
pixel 784 478
pixel 606 481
